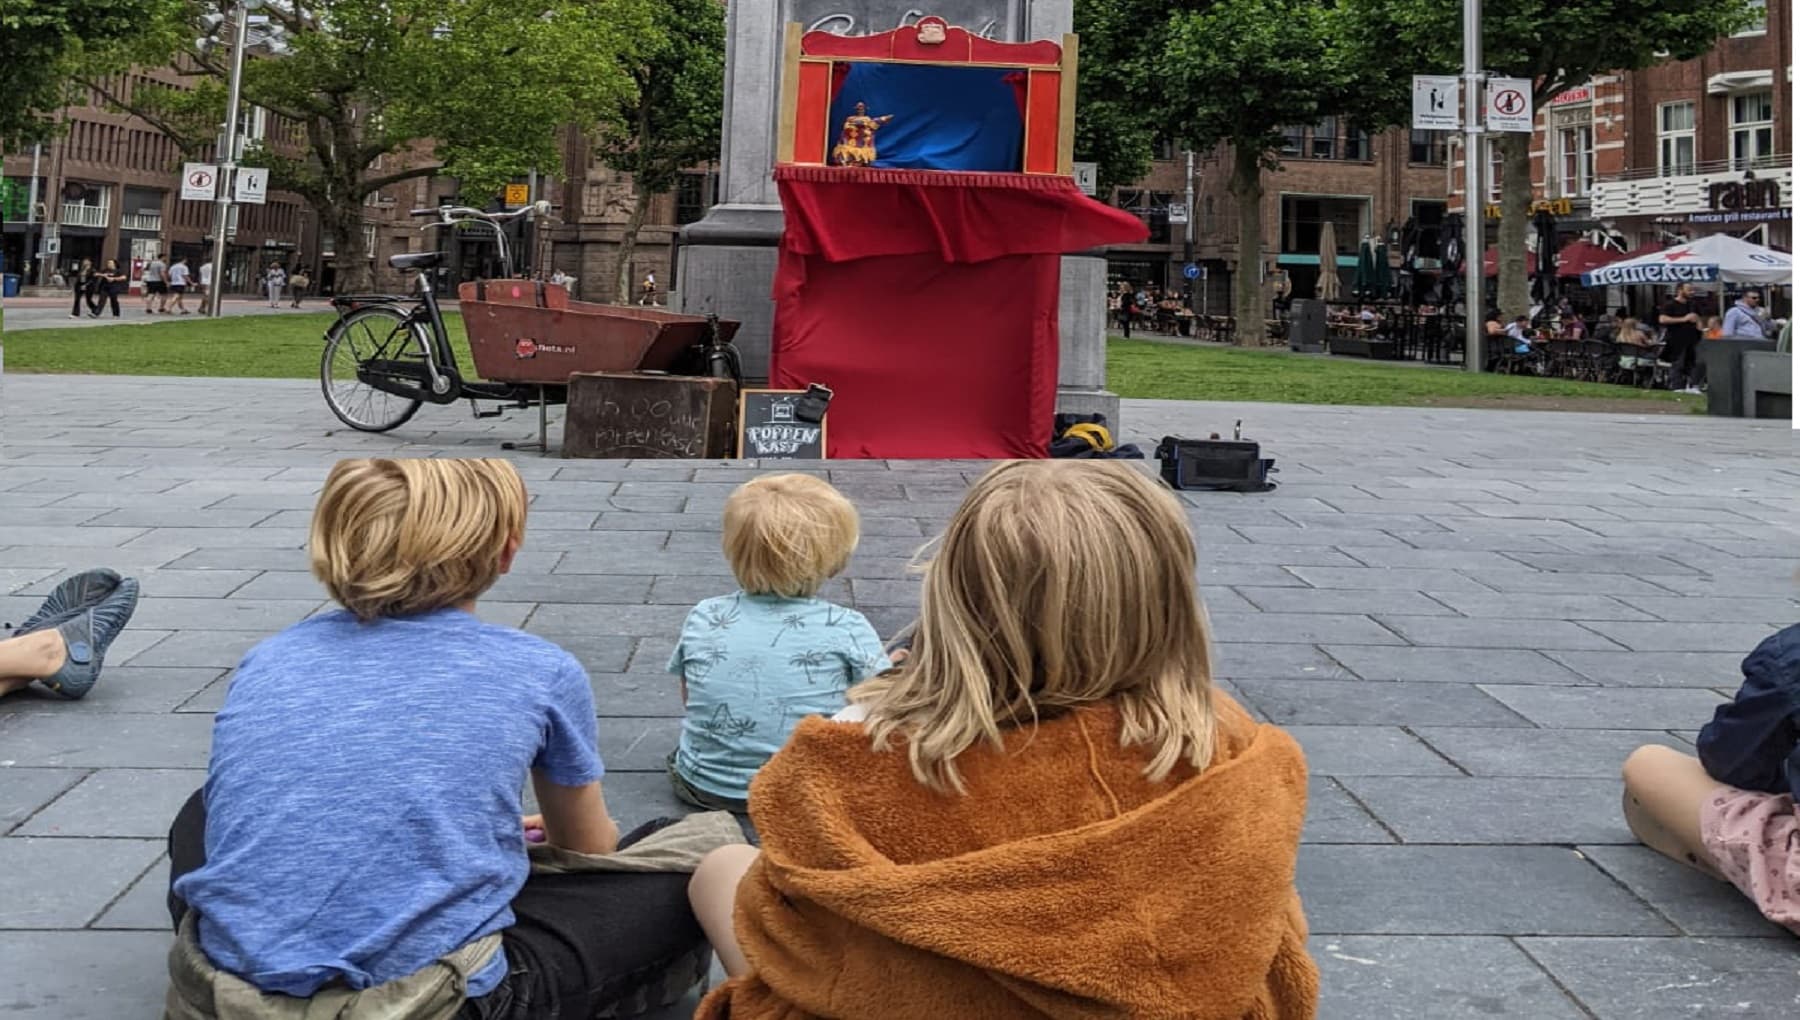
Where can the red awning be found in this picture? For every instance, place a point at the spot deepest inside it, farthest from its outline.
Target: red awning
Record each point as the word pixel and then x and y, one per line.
pixel 1490 263
pixel 1581 256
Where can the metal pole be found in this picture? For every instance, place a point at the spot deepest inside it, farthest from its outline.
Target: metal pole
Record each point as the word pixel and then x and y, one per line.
pixel 1474 246
pixel 228 158
pixel 34 260
pixel 1187 245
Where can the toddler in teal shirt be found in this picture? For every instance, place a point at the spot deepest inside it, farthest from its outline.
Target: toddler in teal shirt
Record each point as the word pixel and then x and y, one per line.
pixel 754 663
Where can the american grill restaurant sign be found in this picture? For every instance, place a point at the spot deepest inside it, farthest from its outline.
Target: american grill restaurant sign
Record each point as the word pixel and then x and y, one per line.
pixel 1752 201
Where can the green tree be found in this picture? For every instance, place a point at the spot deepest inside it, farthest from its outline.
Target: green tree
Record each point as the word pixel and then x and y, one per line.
pixel 670 122
pixel 1235 74
pixel 42 41
pixel 478 89
pixel 1555 44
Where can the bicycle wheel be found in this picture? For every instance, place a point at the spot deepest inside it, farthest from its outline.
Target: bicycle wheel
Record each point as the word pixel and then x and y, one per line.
pixel 379 333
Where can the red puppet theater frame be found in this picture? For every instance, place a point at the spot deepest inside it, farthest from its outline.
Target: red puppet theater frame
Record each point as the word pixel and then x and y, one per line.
pixel 927 299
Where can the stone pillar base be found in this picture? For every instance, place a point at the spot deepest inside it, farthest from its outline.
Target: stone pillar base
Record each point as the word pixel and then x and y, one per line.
pixel 733 282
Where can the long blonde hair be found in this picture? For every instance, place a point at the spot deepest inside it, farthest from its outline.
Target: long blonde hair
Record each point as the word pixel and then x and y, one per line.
pixel 1057 584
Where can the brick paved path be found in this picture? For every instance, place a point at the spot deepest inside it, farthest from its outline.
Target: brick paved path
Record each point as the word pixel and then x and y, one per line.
pixel 1467 618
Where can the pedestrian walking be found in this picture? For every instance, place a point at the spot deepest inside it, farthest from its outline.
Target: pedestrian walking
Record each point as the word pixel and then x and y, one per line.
pixel 298 284
pixel 205 278
pixel 178 283
pixel 275 282
pixel 647 289
pixel 1744 319
pixel 109 283
pixel 1681 339
pixel 156 286
pixel 83 280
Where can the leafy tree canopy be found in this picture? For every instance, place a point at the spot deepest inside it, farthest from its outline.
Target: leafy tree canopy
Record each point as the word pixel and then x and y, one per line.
pixel 42 40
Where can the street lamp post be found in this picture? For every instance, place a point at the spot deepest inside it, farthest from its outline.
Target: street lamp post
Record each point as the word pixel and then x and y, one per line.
pixel 228 158
pixel 1474 246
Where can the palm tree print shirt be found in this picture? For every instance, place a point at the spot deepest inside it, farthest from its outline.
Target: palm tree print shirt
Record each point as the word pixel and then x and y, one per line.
pixel 755 665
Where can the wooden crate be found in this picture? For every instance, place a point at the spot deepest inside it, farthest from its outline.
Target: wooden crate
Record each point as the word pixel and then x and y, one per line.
pixel 614 415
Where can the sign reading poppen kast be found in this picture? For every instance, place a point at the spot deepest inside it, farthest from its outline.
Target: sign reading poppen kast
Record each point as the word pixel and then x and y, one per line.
pixel 771 426
pixel 1000 20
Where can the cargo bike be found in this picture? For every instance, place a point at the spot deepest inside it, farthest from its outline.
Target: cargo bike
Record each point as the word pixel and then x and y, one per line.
pixel 387 355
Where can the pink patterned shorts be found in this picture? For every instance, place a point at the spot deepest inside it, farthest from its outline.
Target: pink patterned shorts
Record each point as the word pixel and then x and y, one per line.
pixel 1754 840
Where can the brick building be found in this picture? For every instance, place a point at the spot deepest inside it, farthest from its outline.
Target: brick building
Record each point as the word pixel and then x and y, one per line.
pixel 1366 186
pixel 1665 153
pixel 108 188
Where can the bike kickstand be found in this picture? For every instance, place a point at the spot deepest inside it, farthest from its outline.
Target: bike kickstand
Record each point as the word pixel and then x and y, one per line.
pixel 542 445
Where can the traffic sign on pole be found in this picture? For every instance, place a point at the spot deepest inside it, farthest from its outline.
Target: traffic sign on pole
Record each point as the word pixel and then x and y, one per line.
pixel 1509 104
pixel 251 186
pixel 1087 177
pixel 1191 271
pixel 1435 101
pixel 1178 213
pixel 199 181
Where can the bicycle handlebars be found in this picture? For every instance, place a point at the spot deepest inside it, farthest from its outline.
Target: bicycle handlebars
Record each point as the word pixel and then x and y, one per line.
pixel 452 213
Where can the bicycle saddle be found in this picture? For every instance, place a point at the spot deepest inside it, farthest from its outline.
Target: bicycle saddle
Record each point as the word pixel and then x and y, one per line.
pixel 416 260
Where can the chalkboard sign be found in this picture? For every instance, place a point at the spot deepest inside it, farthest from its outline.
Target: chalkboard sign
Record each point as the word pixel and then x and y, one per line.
pixel 767 427
pixel 643 416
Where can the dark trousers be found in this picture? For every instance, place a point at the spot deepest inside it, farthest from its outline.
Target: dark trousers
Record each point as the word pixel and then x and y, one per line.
pixel 98 299
pixel 581 946
pixel 1681 357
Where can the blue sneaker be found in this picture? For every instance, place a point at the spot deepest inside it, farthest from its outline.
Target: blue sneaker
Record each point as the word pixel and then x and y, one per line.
pixel 86 636
pixel 75 593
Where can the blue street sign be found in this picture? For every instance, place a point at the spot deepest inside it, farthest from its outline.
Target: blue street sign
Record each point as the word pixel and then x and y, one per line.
pixel 1191 271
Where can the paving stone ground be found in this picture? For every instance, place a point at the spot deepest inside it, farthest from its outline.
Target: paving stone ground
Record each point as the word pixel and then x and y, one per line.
pixel 1468 618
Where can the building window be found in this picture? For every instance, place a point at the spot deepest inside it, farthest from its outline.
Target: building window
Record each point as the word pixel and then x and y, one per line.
pixel 1303 217
pixel 1575 147
pixel 1150 206
pixel 1292 140
pixel 1675 139
pixel 1356 145
pixel 1165 149
pixel 1752 129
pixel 1496 168
pixel 1324 139
pixel 1759 26
pixel 694 194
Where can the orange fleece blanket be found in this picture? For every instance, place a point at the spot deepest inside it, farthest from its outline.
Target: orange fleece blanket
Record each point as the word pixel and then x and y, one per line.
pixel 1064 885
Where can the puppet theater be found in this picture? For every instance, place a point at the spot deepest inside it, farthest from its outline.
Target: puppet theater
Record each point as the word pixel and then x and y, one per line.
pixel 926 182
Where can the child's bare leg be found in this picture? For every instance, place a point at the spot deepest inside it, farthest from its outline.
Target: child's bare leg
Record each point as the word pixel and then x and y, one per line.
pixel 1664 791
pixel 30 657
pixel 713 893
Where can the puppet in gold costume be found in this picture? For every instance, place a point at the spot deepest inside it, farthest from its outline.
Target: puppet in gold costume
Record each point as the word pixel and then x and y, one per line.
pixel 856 146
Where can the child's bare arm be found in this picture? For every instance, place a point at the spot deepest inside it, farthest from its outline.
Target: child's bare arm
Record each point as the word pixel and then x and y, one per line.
pixel 575 817
pixel 682 680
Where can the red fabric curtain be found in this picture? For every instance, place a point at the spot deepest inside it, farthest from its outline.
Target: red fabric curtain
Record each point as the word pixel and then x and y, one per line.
pixel 928 302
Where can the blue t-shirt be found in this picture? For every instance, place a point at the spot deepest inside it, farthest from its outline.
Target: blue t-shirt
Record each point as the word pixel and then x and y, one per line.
pixel 363 796
pixel 755 665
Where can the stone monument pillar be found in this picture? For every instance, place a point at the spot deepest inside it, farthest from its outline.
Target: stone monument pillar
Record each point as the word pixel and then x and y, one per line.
pixel 727 259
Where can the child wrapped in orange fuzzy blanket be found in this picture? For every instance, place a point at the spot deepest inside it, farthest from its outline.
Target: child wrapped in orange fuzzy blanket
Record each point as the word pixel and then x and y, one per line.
pixel 935 854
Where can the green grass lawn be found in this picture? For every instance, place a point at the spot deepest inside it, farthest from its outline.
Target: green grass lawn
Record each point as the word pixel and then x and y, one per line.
pixel 1165 371
pixel 260 346
pixel 288 347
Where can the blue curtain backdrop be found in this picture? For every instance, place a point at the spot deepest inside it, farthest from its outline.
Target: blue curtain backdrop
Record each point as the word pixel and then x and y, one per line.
pixel 945 118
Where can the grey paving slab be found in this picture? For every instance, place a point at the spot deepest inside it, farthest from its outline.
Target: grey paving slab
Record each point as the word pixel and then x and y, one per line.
pixel 25 791
pixel 1656 669
pixel 1524 580
pixel 1698 904
pixel 1585 708
pixel 1300 628
pixel 1484 810
pixel 222 649
pixel 637 744
pixel 1271 660
pixel 55 737
pixel 1494 633
pixel 143 907
pixel 1355 703
pixel 1347 601
pixel 1334 537
pixel 642 694
pixel 136 689
pixel 1333 816
pixel 1683 637
pixel 83 975
pixel 1768 609
pixel 1540 606
pixel 635 621
pixel 119 803
pixel 1654 979
pixel 264 616
pixel 1465 890
pixel 602 589
pixel 1393 578
pixel 1276 555
pixel 1483 751
pixel 65 883
pixel 1399 977
pixel 1368 751
pixel 1462 541
pixel 1452 665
